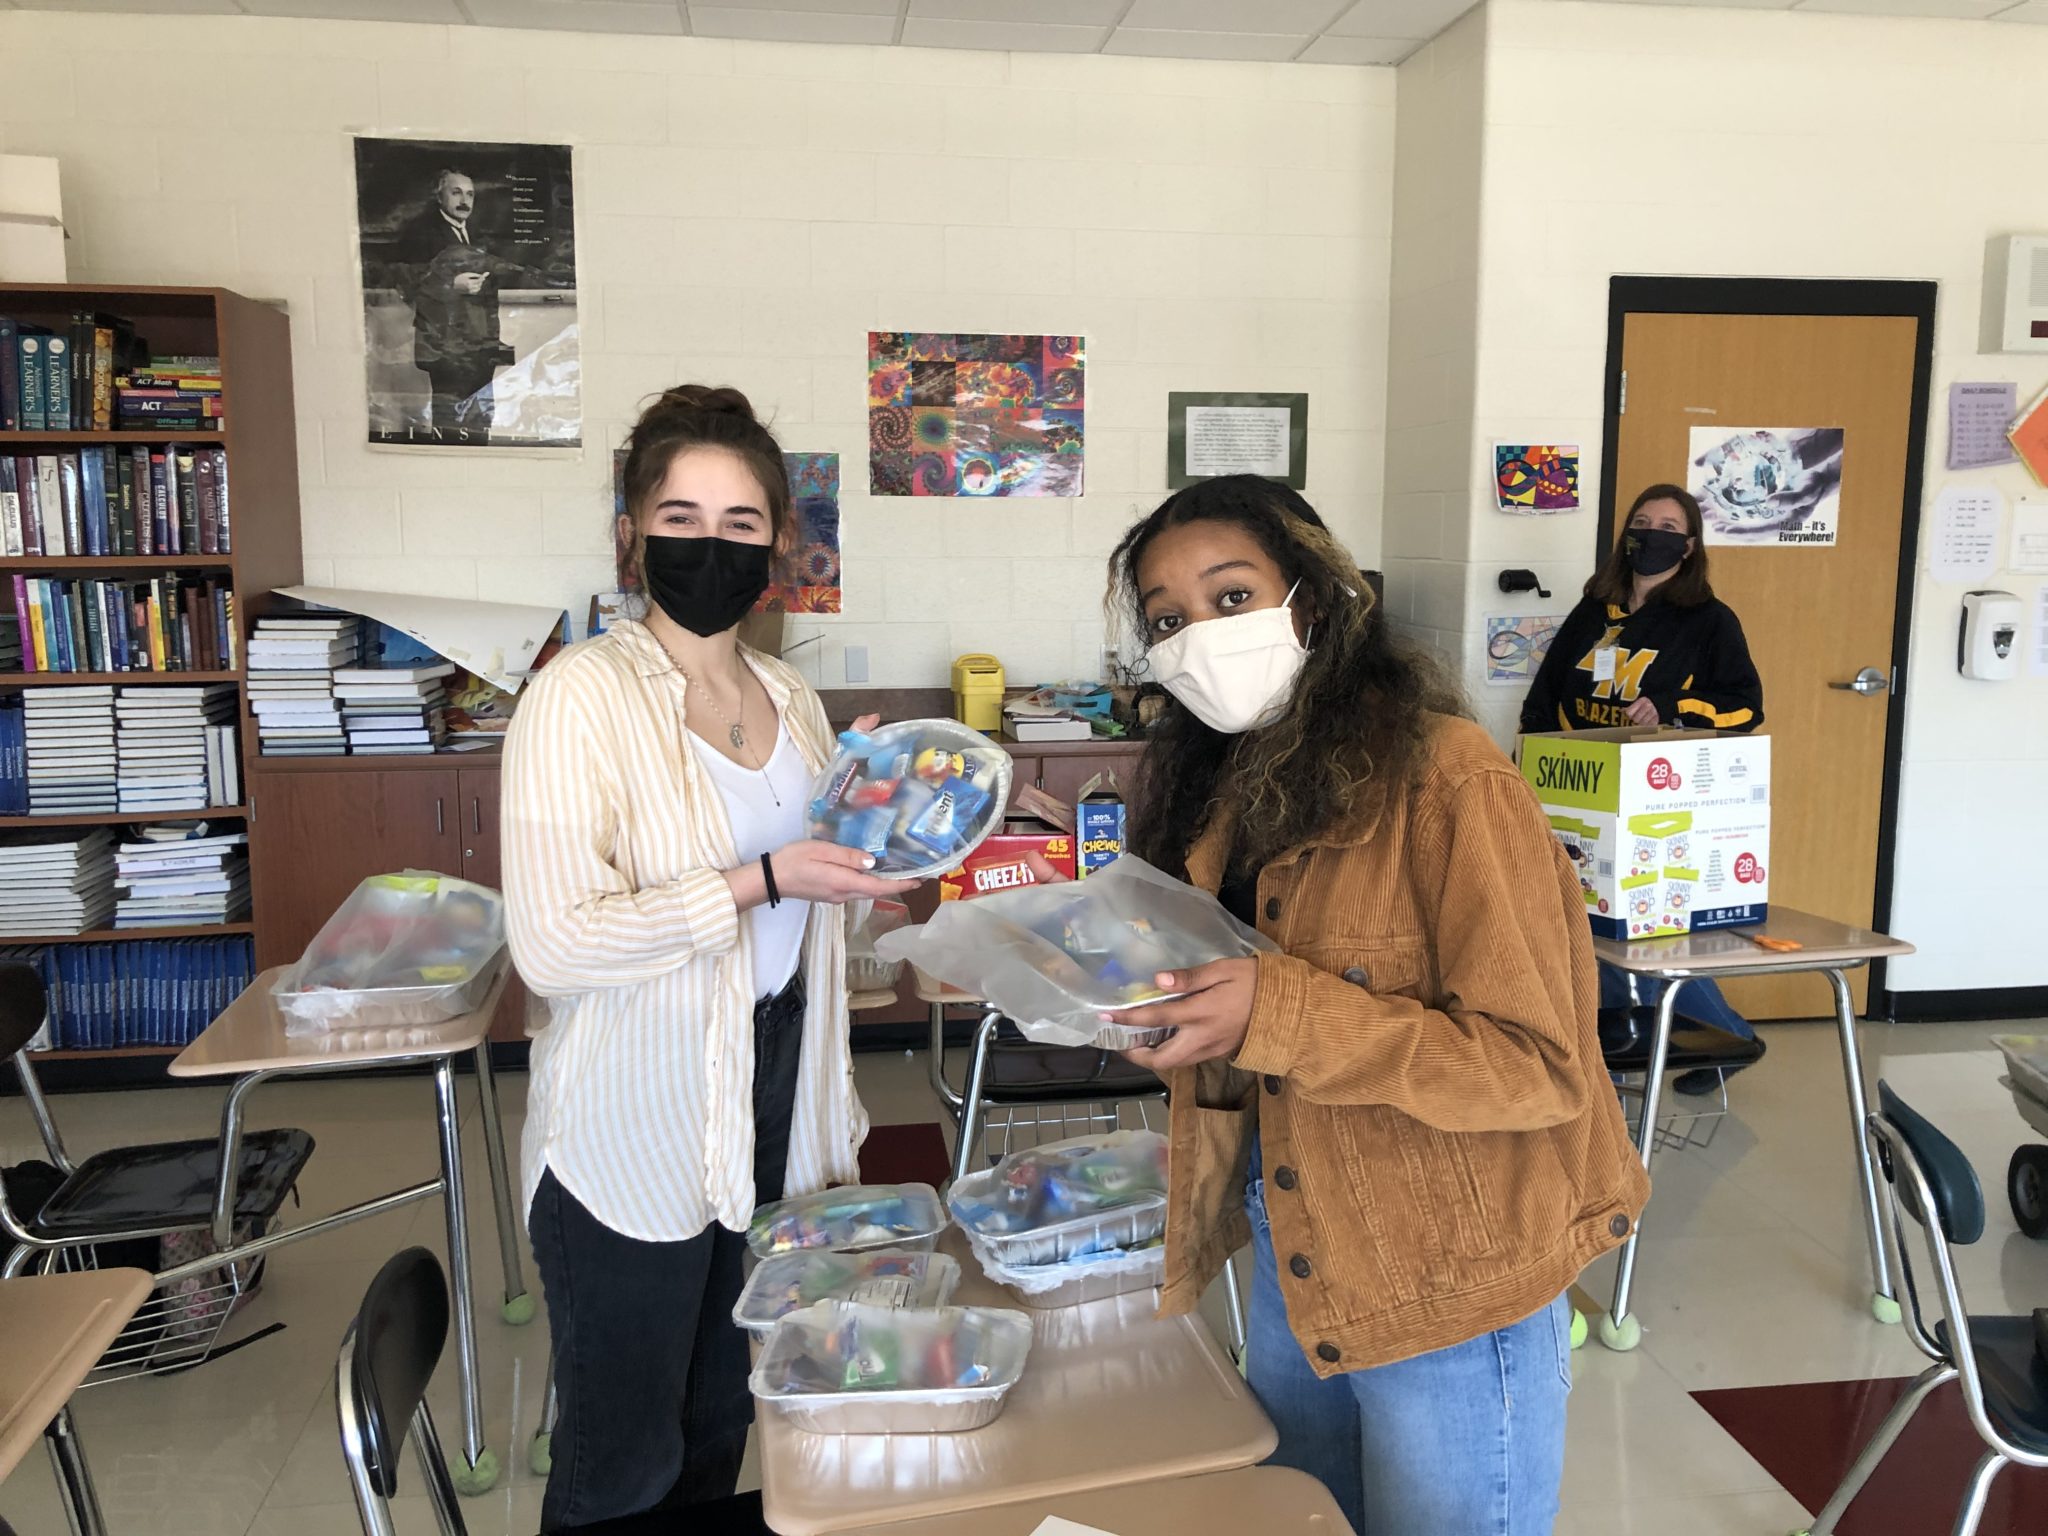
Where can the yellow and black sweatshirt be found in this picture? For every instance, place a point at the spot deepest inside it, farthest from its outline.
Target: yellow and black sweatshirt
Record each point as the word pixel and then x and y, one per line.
pixel 1691 662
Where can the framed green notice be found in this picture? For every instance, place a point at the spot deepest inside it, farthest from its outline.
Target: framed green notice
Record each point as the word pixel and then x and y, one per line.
pixel 1236 434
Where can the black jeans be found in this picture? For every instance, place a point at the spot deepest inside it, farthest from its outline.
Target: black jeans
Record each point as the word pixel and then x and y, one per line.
pixel 650 1370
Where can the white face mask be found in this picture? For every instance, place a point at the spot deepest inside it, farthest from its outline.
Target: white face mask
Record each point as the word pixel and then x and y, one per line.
pixel 1234 673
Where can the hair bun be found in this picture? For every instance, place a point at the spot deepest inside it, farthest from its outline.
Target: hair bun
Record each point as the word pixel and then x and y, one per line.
pixel 711 400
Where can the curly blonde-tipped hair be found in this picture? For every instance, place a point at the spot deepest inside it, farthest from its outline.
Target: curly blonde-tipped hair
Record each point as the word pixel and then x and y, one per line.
pixel 1361 710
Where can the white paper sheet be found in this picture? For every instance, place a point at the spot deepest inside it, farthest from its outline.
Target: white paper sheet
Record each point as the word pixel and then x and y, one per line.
pixel 1965 542
pixel 1053 1525
pixel 2037 661
pixel 1978 416
pixel 1237 439
pixel 2028 550
pixel 496 641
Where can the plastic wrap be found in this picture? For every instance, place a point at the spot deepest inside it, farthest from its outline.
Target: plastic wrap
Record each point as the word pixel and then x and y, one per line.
pixel 865 970
pixel 1056 1203
pixel 1091 1277
pixel 1053 958
pixel 404 951
pixel 840 1368
pixel 2026 1058
pixel 920 795
pixel 880 1277
pixel 850 1220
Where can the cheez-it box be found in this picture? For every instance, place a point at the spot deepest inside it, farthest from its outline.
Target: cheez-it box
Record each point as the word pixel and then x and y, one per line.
pixel 999 864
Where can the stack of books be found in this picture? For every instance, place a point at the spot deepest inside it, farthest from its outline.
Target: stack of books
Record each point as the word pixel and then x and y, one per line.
pixel 175 749
pixel 292 661
pixel 57 882
pixel 136 991
pixel 393 711
pixel 182 877
pixel 68 738
pixel 62 378
pixel 175 394
pixel 112 500
pixel 10 642
pixel 83 624
pixel 13 757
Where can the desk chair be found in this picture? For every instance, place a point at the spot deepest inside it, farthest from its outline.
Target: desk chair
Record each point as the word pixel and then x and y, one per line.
pixel 2001 1362
pixel 148 1191
pixel 388 1356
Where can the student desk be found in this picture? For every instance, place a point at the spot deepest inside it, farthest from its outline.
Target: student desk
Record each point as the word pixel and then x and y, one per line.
pixel 1277 1501
pixel 248 1043
pixel 1111 1395
pixel 1826 948
pixel 53 1330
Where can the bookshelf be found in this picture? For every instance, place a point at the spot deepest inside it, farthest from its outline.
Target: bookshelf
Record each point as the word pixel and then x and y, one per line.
pixel 259 437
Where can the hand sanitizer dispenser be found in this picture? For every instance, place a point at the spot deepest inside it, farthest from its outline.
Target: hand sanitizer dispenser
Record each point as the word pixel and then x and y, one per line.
pixel 1989 648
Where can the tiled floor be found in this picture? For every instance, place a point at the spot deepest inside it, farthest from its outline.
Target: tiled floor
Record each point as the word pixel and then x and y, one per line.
pixel 1752 1274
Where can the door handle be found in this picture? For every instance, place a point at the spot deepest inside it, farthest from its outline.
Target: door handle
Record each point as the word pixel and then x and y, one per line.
pixel 476 815
pixel 440 820
pixel 1870 680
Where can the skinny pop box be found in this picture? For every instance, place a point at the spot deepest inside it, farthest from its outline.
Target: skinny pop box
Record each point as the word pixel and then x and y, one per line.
pixel 1669 830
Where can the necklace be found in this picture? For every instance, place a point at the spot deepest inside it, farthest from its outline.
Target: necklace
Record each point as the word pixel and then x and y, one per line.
pixel 739 737
pixel 734 734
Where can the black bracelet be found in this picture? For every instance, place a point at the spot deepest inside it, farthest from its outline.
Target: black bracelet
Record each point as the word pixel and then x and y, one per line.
pixel 768 877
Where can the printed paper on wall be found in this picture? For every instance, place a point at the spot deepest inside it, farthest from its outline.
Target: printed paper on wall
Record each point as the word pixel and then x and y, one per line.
pixel 970 415
pixel 1768 486
pixel 1536 477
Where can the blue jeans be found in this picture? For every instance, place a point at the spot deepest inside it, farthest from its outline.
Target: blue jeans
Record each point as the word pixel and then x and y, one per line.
pixel 1701 1001
pixel 1464 1441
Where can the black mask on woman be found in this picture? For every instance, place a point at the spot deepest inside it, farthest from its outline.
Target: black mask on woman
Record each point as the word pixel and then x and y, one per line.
pixel 706 585
pixel 1653 551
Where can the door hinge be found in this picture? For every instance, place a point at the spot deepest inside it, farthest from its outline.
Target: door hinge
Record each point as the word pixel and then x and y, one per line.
pixel 1623 411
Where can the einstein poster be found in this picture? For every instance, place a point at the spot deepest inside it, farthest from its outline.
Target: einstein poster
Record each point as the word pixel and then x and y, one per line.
pixel 1768 486
pixel 469 294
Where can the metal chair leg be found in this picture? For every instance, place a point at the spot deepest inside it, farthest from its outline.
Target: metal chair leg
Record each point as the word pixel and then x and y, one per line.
pixel 1233 1302
pixel 971 1108
pixel 434 1465
pixel 1618 1330
pixel 519 1306
pixel 1875 1449
pixel 1980 1493
pixel 74 1478
pixel 540 1456
pixel 480 1470
pixel 1884 1302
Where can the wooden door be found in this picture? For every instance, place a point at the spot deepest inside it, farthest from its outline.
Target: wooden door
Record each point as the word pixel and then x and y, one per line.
pixel 1815 615
pixel 324 833
pixel 476 794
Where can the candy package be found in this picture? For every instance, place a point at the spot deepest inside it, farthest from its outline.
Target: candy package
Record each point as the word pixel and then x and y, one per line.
pixel 879 1277
pixel 1053 958
pixel 1056 1203
pixel 1089 1277
pixel 841 1368
pixel 919 795
pixel 412 949
pixel 850 1219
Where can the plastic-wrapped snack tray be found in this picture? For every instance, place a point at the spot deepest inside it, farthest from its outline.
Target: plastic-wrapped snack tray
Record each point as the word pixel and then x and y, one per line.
pixel 847 1220
pixel 880 1277
pixel 919 795
pixel 1055 958
pixel 841 1368
pixel 1092 1277
pixel 1055 1203
pixel 403 951
pixel 2026 1058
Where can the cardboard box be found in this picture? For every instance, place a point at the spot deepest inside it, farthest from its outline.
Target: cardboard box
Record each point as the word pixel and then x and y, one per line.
pixel 998 864
pixel 1099 831
pixel 1669 830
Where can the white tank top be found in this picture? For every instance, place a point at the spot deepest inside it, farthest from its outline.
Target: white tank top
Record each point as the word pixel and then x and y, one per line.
pixel 760 826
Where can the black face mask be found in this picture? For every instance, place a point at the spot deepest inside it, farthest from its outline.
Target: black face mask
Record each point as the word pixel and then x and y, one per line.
pixel 1653 551
pixel 706 585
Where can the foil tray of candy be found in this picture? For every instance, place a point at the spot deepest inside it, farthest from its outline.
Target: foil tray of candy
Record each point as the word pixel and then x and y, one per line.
pixel 848 1220
pixel 879 1277
pixel 1091 1277
pixel 1055 1203
pixel 841 1368
pixel 918 796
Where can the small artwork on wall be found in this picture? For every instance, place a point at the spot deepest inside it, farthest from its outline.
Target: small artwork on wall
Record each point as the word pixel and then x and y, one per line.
pixel 1768 486
pixel 1516 646
pixel 972 415
pixel 1536 478
pixel 808 582
pixel 469 294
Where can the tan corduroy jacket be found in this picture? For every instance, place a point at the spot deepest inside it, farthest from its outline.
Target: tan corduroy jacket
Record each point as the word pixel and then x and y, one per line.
pixel 1442 1149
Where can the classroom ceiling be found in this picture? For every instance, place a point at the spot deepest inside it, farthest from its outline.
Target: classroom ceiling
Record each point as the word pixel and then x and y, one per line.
pixel 1308 31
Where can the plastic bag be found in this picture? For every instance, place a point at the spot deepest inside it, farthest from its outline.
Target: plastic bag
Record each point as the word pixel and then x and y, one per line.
pixel 1053 958
pixel 404 950
pixel 1089 1277
pixel 868 921
pixel 1055 1203
pixel 849 1219
pixel 919 795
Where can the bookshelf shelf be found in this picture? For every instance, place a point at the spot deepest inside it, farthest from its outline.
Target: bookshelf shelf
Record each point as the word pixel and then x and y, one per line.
pixel 94 679
pixel 86 439
pixel 120 818
pixel 109 1053
pixel 56 564
pixel 122 935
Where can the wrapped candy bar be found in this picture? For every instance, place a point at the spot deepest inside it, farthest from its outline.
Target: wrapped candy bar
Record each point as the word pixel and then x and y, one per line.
pixel 919 795
pixel 1057 1203
pixel 841 1368
pixel 848 1220
pixel 1054 958
pixel 880 1277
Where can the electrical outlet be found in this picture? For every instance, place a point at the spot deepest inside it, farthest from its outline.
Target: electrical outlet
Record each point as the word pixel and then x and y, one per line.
pixel 1109 664
pixel 856 664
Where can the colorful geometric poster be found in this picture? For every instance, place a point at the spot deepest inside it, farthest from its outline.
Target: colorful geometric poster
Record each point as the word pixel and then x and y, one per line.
pixel 954 415
pixel 810 578
pixel 1775 486
pixel 1537 478
pixel 1516 646
pixel 2029 438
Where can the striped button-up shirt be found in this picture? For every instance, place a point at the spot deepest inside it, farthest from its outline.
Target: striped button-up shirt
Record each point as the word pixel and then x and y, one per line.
pixel 615 839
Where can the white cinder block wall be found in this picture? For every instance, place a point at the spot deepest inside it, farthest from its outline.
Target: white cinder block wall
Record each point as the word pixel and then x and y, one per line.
pixel 746 213
pixel 1618 140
